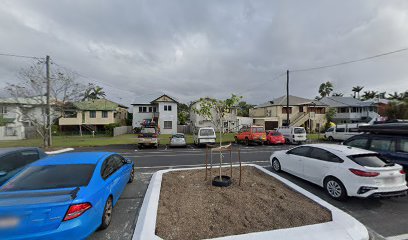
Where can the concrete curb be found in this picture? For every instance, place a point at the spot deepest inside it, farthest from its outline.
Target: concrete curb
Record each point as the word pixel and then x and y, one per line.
pixel 59 151
pixel 342 227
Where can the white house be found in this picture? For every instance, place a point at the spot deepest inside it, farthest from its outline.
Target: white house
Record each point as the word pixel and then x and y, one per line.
pixel 351 110
pixel 13 122
pixel 231 121
pixel 160 110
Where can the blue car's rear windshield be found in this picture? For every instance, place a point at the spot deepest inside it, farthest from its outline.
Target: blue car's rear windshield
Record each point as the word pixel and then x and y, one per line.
pixel 51 177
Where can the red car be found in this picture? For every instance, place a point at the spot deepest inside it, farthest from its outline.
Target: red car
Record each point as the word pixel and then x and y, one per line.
pixel 275 137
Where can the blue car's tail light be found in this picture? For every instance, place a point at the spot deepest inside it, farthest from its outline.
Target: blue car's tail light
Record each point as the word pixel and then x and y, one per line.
pixel 76 210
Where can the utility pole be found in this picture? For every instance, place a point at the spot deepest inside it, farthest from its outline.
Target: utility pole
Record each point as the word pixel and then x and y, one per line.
pixel 49 132
pixel 287 98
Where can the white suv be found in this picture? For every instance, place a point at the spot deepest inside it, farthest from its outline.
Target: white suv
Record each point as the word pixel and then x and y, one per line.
pixel 205 135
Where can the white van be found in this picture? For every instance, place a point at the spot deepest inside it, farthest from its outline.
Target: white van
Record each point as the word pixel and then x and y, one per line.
pixel 293 134
pixel 205 135
pixel 343 131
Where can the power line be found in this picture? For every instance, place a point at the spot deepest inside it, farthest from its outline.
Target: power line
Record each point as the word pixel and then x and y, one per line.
pixel 273 79
pixel 349 62
pixel 91 78
pixel 19 56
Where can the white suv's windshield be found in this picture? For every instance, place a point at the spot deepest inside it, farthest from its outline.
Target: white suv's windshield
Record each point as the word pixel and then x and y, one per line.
pixel 299 130
pixel 207 132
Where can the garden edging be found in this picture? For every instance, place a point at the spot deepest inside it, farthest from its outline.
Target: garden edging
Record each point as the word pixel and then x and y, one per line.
pixel 343 226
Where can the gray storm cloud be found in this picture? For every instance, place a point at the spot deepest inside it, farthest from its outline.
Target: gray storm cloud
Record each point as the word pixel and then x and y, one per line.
pixel 192 49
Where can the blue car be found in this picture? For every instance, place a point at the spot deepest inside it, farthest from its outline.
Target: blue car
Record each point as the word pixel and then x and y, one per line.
pixel 13 160
pixel 66 196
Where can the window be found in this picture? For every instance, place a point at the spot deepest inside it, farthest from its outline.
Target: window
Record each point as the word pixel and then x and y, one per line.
pixel 284 110
pixel 300 151
pixel 299 130
pixel 207 132
pixel 324 155
pixel 404 145
pixel 3 109
pixel 358 143
pixel 108 168
pixel 70 114
pixel 104 114
pixel 225 124
pixel 17 160
pixel 330 129
pixel 61 176
pixel 168 124
pixel 92 114
pixel 370 160
pixel 11 131
pixel 154 109
pixel 258 130
pixel 142 109
pixel 150 109
pixel 167 107
pixel 340 129
pixel 386 144
pixel 353 129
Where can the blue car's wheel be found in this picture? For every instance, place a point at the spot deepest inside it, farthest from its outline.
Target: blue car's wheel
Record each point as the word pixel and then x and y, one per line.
pixel 132 175
pixel 107 214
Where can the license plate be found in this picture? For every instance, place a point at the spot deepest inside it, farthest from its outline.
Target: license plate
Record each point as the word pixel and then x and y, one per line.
pixel 9 222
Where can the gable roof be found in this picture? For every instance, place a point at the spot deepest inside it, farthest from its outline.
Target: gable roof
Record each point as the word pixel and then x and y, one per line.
pixel 344 102
pixel 98 105
pixel 150 98
pixel 293 101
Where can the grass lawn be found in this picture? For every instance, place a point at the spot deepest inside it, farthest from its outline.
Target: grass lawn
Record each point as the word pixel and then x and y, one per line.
pixel 89 141
pixel 315 136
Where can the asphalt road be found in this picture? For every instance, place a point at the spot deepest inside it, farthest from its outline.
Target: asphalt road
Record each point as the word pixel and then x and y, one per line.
pixel 385 218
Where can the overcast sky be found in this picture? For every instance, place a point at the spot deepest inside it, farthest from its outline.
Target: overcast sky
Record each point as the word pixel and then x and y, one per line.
pixel 191 49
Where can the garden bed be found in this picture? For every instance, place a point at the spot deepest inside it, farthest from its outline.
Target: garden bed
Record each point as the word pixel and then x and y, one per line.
pixel 179 204
pixel 190 208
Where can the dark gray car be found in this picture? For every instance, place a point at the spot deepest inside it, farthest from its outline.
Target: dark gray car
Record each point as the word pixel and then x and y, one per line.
pixel 12 160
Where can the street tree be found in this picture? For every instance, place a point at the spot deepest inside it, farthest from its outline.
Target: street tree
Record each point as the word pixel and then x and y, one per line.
pixel 369 95
pixel 31 90
pixel 243 109
pixel 183 113
pixel 215 111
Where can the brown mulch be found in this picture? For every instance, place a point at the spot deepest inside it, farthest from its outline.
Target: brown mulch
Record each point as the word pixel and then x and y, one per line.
pixel 190 208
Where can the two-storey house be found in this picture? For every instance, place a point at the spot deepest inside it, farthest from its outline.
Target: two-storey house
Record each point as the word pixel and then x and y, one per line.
pixel 231 121
pixel 92 115
pixel 158 110
pixel 302 112
pixel 351 110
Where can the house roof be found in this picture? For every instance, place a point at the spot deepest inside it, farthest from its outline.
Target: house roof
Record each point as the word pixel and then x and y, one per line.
pixel 37 100
pixel 378 100
pixel 293 101
pixel 98 104
pixel 150 98
pixel 344 102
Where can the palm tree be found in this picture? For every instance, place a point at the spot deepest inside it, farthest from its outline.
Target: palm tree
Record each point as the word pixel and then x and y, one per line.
pixel 93 92
pixel 325 89
pixel 369 95
pixel 395 96
pixel 357 89
pixel 337 94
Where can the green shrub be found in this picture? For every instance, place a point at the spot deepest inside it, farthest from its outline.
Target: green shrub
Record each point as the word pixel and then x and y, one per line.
pixel 109 128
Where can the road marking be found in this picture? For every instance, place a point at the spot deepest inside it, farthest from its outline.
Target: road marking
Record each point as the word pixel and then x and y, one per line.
pixel 187 154
pixel 398 237
pixel 197 165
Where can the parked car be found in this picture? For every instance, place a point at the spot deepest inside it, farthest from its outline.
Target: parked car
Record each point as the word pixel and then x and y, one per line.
pixel 204 136
pixel 274 137
pixel 12 160
pixel 178 140
pixel 251 134
pixel 148 137
pixel 343 170
pixel 66 196
pixel 391 146
pixel 343 131
pixel 293 134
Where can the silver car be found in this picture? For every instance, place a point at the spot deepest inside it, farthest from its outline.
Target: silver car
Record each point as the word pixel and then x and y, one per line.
pixel 178 140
